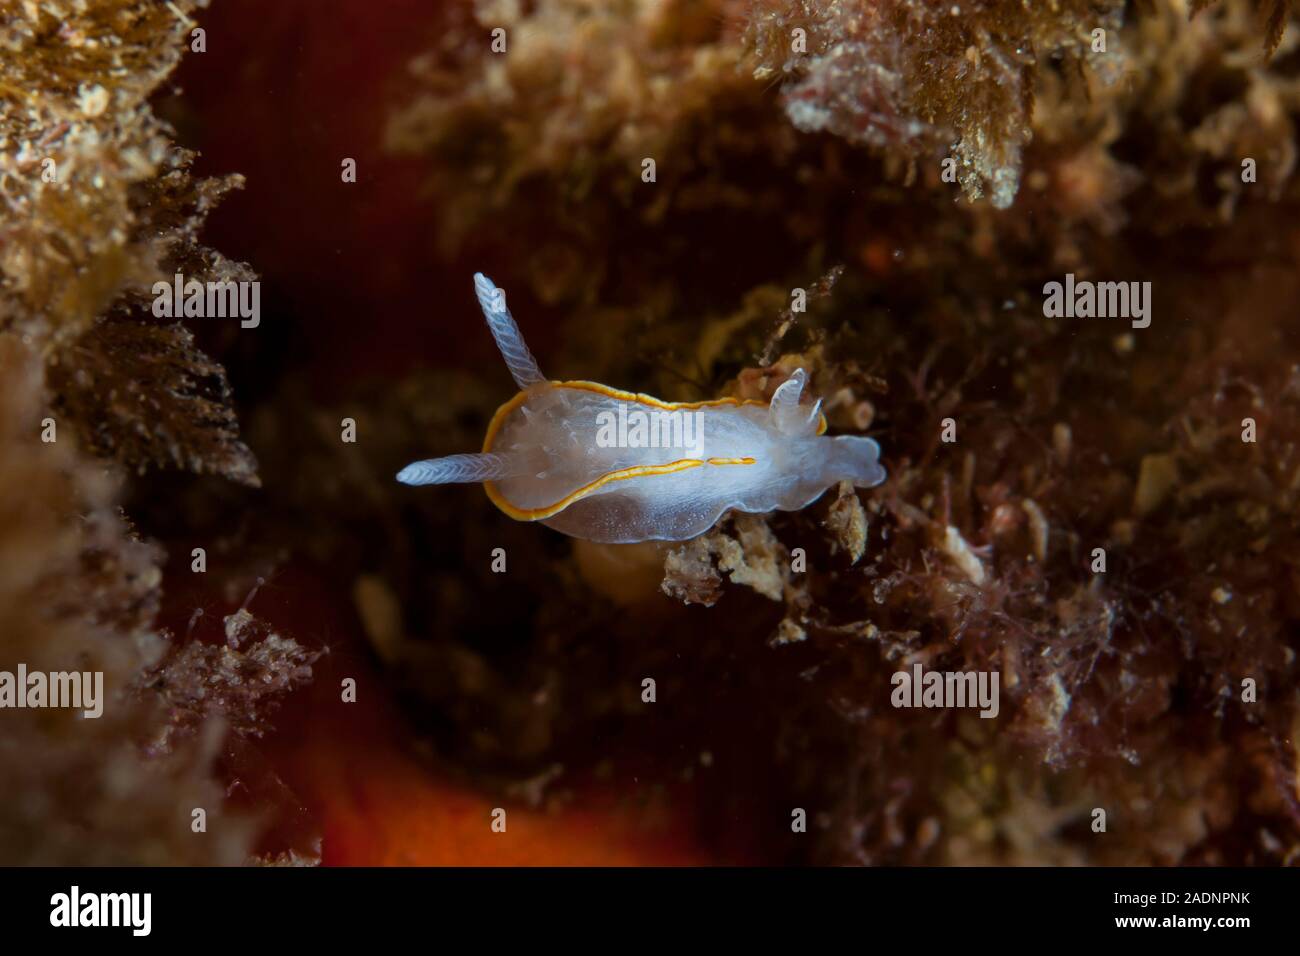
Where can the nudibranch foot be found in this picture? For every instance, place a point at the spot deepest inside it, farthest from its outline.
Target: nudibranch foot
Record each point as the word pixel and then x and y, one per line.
pixel 617 467
pixel 855 458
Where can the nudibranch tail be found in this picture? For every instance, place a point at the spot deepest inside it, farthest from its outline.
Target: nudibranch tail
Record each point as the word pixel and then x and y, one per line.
pixel 459 468
pixel 520 361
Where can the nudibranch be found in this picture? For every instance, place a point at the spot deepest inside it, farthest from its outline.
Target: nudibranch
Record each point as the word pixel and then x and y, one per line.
pixel 618 467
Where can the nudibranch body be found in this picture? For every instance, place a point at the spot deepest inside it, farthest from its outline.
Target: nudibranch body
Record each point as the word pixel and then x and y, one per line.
pixel 617 467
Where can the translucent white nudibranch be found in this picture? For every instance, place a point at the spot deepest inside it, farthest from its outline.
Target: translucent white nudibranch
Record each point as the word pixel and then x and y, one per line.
pixel 611 466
